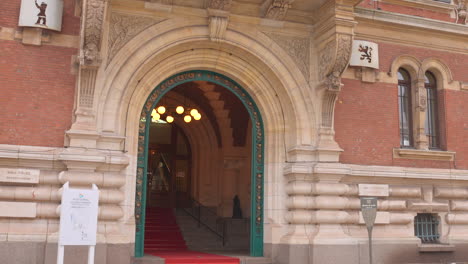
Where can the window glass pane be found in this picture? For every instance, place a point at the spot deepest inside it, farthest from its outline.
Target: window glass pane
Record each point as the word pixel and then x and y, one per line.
pixel 404 106
pixel 429 78
pixel 403 75
pixel 431 122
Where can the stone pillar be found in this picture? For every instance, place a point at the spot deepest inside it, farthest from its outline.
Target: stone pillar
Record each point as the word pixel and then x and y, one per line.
pixel 83 131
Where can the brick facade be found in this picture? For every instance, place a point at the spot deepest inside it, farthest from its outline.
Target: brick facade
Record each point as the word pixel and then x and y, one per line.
pixel 36 84
pixel 366 115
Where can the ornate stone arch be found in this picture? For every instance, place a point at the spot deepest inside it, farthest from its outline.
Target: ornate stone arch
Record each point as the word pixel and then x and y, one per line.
pixel 409 63
pixel 248 57
pixel 441 71
pixel 251 61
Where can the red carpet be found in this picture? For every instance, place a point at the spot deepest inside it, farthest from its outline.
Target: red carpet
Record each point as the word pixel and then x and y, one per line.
pixel 162 232
pixel 164 239
pixel 193 257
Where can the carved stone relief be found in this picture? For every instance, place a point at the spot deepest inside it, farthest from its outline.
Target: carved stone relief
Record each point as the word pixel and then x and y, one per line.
pixel 92 24
pixel 220 4
pixel 278 9
pixel 334 58
pixel 297 47
pixel 123 28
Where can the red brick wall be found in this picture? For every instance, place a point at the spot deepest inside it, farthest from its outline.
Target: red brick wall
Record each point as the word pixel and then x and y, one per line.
pixel 457 63
pixel 366 115
pixel 36 84
pixel 10 9
pixel 413 11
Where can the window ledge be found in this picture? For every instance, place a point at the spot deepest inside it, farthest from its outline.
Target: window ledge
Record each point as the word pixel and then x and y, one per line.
pixel 436 248
pixel 423 154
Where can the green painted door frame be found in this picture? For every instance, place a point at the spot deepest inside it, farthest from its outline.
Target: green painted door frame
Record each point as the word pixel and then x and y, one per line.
pixel 257 174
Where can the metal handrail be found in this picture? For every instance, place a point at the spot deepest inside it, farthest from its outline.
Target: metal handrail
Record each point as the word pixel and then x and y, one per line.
pixel 200 222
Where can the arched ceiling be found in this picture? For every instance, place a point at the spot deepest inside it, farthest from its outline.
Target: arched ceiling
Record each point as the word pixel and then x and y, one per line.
pixel 237 114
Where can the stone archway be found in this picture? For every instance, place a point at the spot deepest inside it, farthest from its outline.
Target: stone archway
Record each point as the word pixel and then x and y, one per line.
pixel 257 172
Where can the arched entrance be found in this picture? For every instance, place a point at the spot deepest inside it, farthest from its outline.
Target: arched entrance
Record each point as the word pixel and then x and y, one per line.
pixel 257 154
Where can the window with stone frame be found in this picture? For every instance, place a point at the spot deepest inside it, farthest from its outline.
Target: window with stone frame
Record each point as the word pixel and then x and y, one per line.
pixel 426 227
pixel 432 120
pixel 405 109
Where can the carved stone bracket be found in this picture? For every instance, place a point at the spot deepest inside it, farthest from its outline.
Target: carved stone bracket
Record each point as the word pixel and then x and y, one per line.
pixel 218 11
pixel 218 26
pixel 461 11
pixel 333 60
pixel 91 24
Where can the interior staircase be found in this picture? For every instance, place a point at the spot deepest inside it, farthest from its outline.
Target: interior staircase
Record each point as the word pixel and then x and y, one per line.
pixel 165 244
pixel 199 237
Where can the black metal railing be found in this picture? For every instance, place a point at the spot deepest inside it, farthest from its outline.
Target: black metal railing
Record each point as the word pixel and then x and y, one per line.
pixel 201 214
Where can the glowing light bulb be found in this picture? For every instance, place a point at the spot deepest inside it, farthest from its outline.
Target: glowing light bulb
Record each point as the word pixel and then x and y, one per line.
pixel 161 109
pixel 153 113
pixel 193 112
pixel 180 109
pixel 187 119
pixel 155 117
pixel 170 119
pixel 197 116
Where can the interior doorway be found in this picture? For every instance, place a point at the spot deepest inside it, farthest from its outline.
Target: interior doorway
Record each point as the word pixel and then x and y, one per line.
pixel 169 167
pixel 213 161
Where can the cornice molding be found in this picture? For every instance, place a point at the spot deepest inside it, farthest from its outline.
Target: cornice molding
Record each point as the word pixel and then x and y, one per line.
pixel 376 172
pixel 424 4
pixel 410 21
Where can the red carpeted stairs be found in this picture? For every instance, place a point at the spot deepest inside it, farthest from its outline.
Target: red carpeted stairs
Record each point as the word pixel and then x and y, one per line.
pixel 162 232
pixel 164 239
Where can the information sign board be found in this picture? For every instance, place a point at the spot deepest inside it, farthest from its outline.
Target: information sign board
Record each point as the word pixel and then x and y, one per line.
pixel 13 175
pixel 369 212
pixel 78 216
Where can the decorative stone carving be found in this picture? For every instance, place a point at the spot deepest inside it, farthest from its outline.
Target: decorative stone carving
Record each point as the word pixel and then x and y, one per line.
pixel 218 11
pixel 218 27
pixel 123 28
pixel 277 9
pixel 333 61
pixel 92 27
pixel 297 47
pixel 220 4
pixel 461 11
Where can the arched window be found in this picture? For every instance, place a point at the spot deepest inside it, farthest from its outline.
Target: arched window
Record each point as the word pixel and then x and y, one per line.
pixel 431 124
pixel 404 106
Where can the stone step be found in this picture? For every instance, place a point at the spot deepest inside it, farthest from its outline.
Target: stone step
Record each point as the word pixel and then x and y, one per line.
pixel 148 259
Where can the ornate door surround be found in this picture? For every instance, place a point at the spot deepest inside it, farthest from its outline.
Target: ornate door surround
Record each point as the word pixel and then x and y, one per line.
pixel 257 173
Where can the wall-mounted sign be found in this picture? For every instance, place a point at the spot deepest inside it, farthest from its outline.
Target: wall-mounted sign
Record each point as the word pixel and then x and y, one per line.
pixel 78 216
pixel 365 54
pixel 13 175
pixel 41 13
pixel 379 190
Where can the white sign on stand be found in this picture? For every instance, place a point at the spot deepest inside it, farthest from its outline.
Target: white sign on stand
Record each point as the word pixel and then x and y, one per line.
pixel 78 220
